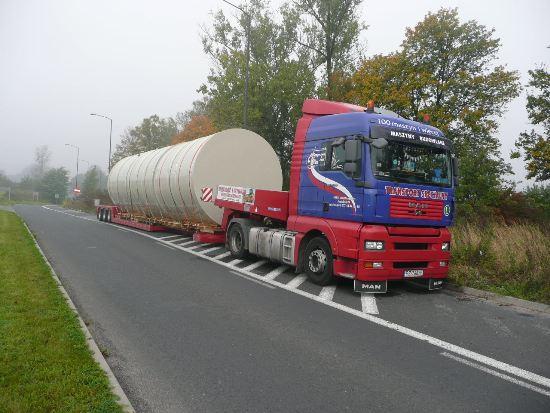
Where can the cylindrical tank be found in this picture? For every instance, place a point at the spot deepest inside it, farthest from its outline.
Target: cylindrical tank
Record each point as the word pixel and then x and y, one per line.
pixel 173 183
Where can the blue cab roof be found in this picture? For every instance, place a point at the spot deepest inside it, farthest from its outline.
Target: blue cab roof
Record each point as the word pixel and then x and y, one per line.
pixel 353 123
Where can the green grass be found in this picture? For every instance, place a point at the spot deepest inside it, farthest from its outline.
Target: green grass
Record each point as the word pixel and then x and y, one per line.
pixel 45 363
pixel 506 259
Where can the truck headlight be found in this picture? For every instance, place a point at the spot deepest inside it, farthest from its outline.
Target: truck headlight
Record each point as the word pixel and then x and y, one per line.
pixel 374 245
pixel 446 246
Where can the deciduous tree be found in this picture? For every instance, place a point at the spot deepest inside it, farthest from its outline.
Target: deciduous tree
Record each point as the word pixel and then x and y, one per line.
pixel 448 69
pixel 152 133
pixel 535 145
pixel 53 182
pixel 198 126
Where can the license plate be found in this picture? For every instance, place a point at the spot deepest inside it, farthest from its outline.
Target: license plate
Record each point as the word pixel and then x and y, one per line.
pixel 413 273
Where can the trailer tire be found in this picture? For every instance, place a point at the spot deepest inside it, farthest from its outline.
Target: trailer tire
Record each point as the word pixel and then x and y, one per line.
pixel 236 241
pixel 98 214
pixel 318 261
pixel 101 214
pixel 108 215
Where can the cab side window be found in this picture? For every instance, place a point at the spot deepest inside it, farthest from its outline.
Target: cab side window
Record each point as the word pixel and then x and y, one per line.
pixel 335 156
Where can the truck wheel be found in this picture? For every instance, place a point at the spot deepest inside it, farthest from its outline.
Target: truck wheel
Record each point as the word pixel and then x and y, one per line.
pixel 318 261
pixel 236 242
pixel 98 214
pixel 102 215
pixel 108 216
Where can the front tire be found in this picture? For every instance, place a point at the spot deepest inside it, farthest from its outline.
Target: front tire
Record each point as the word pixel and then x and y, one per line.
pixel 318 261
pixel 236 241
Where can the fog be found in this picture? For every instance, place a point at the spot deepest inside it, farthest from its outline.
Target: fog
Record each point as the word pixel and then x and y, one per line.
pixel 62 60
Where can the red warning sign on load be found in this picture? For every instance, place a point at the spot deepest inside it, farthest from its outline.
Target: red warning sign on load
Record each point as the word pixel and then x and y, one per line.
pixel 206 194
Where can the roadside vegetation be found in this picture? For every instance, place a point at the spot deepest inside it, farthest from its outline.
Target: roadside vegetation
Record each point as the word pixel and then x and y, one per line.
pixel 45 363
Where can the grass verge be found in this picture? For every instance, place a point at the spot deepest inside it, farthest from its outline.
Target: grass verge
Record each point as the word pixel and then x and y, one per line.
pixel 45 363
pixel 506 259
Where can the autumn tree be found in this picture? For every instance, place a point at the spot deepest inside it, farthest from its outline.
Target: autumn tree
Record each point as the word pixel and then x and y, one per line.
pixel 448 69
pixel 198 126
pixel 90 184
pixel 152 133
pixel 329 30
pixel 280 77
pixel 535 145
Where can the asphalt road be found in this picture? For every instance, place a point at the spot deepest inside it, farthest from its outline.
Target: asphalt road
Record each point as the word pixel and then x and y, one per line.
pixel 186 331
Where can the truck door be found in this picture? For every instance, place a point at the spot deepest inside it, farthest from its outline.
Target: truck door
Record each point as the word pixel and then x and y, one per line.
pixel 342 168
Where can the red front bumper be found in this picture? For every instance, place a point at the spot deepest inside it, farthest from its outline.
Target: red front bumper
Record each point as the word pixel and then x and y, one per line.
pixel 405 248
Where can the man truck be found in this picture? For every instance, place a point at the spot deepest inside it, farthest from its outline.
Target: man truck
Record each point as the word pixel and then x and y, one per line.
pixel 371 196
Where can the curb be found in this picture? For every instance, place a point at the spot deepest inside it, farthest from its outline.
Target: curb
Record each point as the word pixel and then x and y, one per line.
pixel 499 299
pixel 92 345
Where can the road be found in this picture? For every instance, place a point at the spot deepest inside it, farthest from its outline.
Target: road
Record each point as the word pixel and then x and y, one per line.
pixel 186 328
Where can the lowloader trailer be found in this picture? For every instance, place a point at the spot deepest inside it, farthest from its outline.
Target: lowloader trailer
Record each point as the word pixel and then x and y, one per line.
pixel 371 196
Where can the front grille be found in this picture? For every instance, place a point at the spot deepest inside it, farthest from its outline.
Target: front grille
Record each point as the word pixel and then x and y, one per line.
pixel 416 209
pixel 413 264
pixel 411 246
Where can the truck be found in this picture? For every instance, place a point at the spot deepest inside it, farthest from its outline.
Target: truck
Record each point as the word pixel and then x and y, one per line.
pixel 370 198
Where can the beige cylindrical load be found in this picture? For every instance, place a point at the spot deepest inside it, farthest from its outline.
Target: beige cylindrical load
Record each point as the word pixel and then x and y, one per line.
pixel 168 183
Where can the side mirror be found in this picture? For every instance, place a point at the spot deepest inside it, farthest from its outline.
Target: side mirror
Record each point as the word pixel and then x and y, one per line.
pixel 350 168
pixel 353 150
pixel 456 174
pixel 379 143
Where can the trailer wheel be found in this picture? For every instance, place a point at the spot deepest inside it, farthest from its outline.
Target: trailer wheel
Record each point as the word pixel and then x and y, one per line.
pixel 98 213
pixel 236 242
pixel 108 215
pixel 318 261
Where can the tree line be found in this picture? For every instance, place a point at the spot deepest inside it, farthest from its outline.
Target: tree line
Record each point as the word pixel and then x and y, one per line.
pixel 445 67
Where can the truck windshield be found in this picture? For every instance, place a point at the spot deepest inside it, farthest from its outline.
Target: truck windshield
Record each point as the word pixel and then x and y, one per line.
pixel 416 164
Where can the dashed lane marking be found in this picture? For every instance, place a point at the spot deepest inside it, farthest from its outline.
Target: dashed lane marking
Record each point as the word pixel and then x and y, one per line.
pixel 211 249
pixel 255 265
pixel 271 275
pixel 222 255
pixel 368 304
pixel 297 281
pixel 234 262
pixel 327 293
pixel 446 346
pixel 253 280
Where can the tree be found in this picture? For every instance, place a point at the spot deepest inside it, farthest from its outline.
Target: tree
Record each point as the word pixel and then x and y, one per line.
pixel 280 77
pixel 329 29
pixel 152 133
pixel 536 146
pixel 42 155
pixel 198 126
pixel 90 183
pixel 53 182
pixel 448 70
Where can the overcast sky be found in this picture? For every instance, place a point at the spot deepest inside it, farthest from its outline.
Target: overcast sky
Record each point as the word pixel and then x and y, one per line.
pixel 129 59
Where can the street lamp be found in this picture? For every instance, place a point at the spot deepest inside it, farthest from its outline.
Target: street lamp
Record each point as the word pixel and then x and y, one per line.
pixel 247 75
pixel 77 158
pixel 110 135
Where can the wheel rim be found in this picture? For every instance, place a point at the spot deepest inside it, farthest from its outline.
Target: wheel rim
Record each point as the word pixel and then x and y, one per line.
pixel 317 261
pixel 236 241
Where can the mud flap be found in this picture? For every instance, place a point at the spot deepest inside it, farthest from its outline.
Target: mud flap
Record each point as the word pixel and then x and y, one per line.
pixel 430 284
pixel 373 287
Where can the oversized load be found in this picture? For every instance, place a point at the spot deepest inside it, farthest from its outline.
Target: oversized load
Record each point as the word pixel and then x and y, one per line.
pixel 178 183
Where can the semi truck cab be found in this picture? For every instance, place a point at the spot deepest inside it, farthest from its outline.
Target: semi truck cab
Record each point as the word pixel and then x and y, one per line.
pixel 385 178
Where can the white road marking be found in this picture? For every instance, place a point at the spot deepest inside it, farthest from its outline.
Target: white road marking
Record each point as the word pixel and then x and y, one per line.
pixel 222 255
pixel 171 236
pixel 255 265
pixel 234 262
pixel 297 281
pixel 497 374
pixel 211 249
pixel 275 272
pixel 448 347
pixel 166 246
pixel 183 244
pixel 327 293
pixel 253 280
pixel 368 304
pixel 194 247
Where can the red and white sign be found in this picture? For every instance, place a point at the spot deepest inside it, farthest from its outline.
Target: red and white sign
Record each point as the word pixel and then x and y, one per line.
pixel 206 194
pixel 76 190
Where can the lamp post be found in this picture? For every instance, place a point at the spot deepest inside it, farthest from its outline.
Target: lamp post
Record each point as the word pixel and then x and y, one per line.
pixel 77 161
pixel 110 135
pixel 247 74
